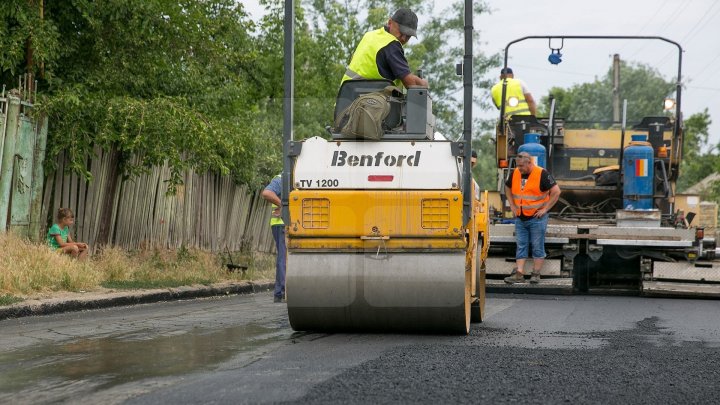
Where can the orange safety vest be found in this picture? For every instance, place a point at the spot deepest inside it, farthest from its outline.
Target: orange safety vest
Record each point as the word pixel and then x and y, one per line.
pixel 529 198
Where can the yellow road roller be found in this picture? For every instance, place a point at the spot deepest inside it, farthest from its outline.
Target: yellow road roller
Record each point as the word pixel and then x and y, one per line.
pixel 385 233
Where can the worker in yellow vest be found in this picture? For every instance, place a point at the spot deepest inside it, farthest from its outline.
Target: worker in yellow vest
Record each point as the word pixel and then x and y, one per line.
pixel 273 194
pixel 380 53
pixel 518 100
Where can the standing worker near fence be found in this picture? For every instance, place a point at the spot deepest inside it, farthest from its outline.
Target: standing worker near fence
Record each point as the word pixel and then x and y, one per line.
pixel 273 194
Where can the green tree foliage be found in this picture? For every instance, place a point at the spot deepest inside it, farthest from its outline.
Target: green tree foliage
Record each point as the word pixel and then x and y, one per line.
pixel 438 53
pixel 641 85
pixel 485 172
pixel 699 159
pixel 198 83
pixel 165 79
pixel 20 24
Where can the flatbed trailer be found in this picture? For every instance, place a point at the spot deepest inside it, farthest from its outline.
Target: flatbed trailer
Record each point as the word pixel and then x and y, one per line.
pixel 602 258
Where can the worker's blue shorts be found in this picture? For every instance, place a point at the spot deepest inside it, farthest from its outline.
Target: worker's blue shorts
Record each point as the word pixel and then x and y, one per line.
pixel 531 233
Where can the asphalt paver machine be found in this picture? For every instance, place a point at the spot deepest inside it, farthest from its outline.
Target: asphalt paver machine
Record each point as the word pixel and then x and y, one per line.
pixel 616 225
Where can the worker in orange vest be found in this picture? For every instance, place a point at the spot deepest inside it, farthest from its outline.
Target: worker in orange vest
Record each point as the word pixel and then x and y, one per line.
pixel 531 192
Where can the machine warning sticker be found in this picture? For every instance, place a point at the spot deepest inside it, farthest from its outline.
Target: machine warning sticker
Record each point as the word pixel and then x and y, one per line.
pixel 578 163
pixel 608 161
pixel 601 162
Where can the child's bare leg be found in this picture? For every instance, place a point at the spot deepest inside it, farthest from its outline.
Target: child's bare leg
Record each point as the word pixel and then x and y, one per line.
pixel 71 250
pixel 82 253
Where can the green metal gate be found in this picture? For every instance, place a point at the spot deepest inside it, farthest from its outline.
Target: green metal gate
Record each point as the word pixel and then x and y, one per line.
pixel 23 136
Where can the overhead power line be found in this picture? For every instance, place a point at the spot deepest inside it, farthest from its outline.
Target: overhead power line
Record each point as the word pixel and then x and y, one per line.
pixel 698 74
pixel 647 22
pixel 667 23
pixel 696 29
pixel 703 88
pixel 701 24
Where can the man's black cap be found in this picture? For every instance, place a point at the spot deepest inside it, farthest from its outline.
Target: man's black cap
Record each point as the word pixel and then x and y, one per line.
pixel 407 20
pixel 505 71
pixel 474 154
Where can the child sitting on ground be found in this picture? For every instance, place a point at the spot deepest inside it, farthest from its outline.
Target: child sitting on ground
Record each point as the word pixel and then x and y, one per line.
pixel 59 239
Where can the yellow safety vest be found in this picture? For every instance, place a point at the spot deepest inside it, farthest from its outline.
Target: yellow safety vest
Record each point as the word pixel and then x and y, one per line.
pixel 514 89
pixel 363 64
pixel 276 220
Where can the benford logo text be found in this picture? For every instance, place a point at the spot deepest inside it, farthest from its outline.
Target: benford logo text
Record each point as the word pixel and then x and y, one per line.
pixel 341 158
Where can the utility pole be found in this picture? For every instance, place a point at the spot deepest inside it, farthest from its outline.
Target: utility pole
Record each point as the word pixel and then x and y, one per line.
pixel 288 99
pixel 616 88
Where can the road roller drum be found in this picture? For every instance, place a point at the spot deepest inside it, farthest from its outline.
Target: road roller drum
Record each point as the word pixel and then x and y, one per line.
pixel 421 292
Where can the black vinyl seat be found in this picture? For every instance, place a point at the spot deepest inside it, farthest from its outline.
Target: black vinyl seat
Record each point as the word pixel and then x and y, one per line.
pixel 648 122
pixel 522 124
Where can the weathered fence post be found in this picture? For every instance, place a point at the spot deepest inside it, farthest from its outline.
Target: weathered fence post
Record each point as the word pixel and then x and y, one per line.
pixel 8 156
pixel 3 122
pixel 107 206
pixel 38 176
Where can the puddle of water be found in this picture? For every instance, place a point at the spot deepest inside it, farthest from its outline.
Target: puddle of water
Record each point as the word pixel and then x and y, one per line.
pixel 118 360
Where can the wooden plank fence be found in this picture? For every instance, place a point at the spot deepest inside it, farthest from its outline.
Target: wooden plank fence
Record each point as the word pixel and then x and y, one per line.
pixel 207 212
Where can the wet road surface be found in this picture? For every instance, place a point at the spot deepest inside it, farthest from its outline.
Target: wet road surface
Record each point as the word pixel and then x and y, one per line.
pixel 240 349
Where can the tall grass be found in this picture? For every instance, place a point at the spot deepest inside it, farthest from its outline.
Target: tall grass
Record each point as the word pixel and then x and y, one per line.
pixel 29 268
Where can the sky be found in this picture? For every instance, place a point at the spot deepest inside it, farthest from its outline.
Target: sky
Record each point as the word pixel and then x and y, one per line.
pixel 694 24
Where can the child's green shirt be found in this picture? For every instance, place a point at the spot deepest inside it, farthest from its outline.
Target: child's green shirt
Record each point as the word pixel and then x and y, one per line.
pixel 55 230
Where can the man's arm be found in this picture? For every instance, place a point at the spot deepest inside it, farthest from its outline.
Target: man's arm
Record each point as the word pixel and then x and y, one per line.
pixel 391 62
pixel 554 196
pixel 413 80
pixel 271 197
pixel 492 91
pixel 510 200
pixel 531 103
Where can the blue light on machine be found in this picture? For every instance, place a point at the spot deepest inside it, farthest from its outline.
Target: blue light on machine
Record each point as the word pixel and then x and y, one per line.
pixel 555 57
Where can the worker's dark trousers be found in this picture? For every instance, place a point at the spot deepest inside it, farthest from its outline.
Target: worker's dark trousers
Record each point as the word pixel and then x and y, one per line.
pixel 278 232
